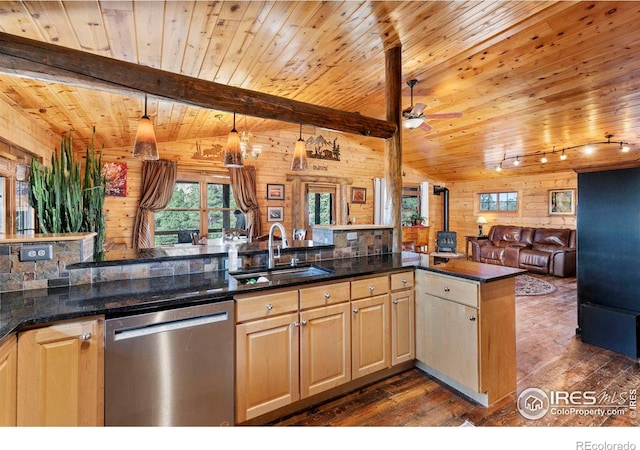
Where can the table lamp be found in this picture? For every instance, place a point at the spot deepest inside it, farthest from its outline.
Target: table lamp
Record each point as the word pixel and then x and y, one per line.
pixel 480 221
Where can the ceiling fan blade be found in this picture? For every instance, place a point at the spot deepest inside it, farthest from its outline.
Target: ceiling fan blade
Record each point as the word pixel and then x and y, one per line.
pixel 417 109
pixel 426 127
pixel 451 115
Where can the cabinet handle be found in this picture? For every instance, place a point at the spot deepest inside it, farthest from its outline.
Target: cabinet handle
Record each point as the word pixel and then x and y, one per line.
pixel 355 310
pixel 304 322
pixel 85 336
pixel 371 288
pixel 472 318
pixel 327 295
pixel 395 302
pixel 447 289
pixel 296 324
pixel 269 306
pixel 404 281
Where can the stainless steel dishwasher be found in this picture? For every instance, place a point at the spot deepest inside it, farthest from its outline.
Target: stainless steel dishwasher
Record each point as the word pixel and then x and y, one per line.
pixel 171 368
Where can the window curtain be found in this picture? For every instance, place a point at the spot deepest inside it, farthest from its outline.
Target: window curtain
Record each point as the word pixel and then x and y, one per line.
pixel 243 182
pixel 158 181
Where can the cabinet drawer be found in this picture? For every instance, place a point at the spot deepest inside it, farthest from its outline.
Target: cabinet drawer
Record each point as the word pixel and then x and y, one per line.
pixel 267 305
pixel 369 287
pixel 402 280
pixel 457 290
pixel 324 295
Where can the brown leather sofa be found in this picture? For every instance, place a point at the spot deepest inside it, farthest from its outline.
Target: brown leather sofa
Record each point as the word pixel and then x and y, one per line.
pixel 549 251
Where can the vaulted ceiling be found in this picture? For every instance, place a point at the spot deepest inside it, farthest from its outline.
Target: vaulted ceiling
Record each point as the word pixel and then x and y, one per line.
pixel 529 77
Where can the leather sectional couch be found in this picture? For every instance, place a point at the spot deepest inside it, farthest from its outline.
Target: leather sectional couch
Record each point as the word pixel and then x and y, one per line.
pixel 549 251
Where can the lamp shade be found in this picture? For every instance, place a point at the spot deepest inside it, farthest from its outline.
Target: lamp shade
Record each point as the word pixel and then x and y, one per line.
pixel 145 146
pixel 412 123
pixel 233 153
pixel 481 219
pixel 299 156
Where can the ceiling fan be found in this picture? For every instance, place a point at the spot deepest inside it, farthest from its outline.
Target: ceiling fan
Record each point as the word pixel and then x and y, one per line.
pixel 414 117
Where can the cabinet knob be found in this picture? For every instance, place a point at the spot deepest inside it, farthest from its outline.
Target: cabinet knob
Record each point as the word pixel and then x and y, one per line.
pixel 371 288
pixel 327 295
pixel 472 318
pixel 296 324
pixel 85 336
pixel 304 322
pixel 269 306
pixel 355 310
pixel 395 302
pixel 404 281
pixel 446 289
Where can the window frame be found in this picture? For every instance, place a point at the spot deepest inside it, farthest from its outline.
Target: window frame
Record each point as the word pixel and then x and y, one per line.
pixel 498 210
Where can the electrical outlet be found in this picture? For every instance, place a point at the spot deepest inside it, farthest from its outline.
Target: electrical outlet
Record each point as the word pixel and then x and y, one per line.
pixel 352 236
pixel 36 253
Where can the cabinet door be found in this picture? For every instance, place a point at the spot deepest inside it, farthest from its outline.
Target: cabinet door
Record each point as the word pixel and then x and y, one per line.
pixel 325 348
pixel 266 365
pixel 449 341
pixel 402 327
pixel 370 336
pixel 61 375
pixel 8 379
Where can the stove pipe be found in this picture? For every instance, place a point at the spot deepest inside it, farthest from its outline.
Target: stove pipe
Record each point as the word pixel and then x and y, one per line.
pixel 445 205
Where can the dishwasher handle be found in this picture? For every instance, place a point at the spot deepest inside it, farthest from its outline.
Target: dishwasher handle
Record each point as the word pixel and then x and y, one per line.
pixel 145 330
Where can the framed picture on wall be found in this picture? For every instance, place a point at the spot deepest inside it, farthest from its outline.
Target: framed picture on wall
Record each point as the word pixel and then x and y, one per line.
pixel 358 195
pixel 275 213
pixel 275 191
pixel 562 202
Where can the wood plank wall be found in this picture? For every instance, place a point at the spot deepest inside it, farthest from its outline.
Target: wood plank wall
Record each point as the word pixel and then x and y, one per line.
pixel 357 162
pixel 533 194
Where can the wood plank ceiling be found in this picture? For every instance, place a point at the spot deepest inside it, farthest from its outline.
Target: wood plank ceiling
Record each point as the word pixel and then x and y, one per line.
pixel 529 77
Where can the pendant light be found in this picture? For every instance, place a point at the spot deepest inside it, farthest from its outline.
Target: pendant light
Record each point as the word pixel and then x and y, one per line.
pixel 299 155
pixel 233 153
pixel 145 146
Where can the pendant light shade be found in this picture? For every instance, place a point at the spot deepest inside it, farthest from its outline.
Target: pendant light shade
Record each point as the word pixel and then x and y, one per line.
pixel 145 146
pixel 300 155
pixel 233 152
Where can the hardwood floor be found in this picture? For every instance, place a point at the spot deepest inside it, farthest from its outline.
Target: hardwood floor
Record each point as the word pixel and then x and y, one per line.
pixel 549 356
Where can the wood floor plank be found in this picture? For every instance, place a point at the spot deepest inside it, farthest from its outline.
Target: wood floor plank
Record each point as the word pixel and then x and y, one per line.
pixel 549 356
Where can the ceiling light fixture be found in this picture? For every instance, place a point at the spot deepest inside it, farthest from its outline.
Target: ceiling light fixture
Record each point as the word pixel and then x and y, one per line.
pixel 412 123
pixel 299 162
pixel 517 159
pixel 233 153
pixel 145 147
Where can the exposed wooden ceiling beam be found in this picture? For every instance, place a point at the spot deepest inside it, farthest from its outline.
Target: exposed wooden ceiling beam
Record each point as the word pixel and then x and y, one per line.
pixel 52 63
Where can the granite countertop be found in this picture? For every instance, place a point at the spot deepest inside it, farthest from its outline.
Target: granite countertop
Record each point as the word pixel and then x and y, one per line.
pixel 22 309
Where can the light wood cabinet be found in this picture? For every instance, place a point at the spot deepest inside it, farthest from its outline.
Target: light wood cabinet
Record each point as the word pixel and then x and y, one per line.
pixel 267 375
pixel 418 234
pixel 325 350
pixel 8 381
pixel 402 318
pixel 465 334
pixel 370 335
pixel 61 375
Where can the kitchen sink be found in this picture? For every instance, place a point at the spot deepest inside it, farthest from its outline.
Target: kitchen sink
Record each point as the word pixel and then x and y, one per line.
pixel 277 275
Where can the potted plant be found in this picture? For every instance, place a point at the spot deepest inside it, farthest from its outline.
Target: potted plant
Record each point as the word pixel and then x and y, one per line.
pixel 417 219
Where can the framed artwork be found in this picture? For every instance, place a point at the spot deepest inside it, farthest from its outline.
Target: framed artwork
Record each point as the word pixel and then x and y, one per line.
pixel 116 176
pixel 358 195
pixel 275 213
pixel 275 191
pixel 562 202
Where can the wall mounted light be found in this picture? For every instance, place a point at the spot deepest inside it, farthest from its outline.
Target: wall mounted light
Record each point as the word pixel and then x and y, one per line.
pixel 299 162
pixel 145 146
pixel 233 153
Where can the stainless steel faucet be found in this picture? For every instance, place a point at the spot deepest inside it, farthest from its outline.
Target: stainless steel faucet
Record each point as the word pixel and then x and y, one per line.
pixel 272 259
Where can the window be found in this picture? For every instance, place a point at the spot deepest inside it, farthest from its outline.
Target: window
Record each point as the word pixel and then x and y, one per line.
pixel 410 203
pixel 499 201
pixel 196 206
pixel 321 204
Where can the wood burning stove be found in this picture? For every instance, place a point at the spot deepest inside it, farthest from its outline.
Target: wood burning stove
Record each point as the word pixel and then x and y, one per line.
pixel 446 241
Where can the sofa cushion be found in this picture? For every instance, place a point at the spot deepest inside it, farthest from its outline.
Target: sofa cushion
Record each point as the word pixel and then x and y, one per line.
pixel 503 235
pixel 534 258
pixel 551 237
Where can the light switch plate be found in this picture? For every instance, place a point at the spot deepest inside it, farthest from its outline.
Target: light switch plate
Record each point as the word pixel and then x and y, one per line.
pixel 352 236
